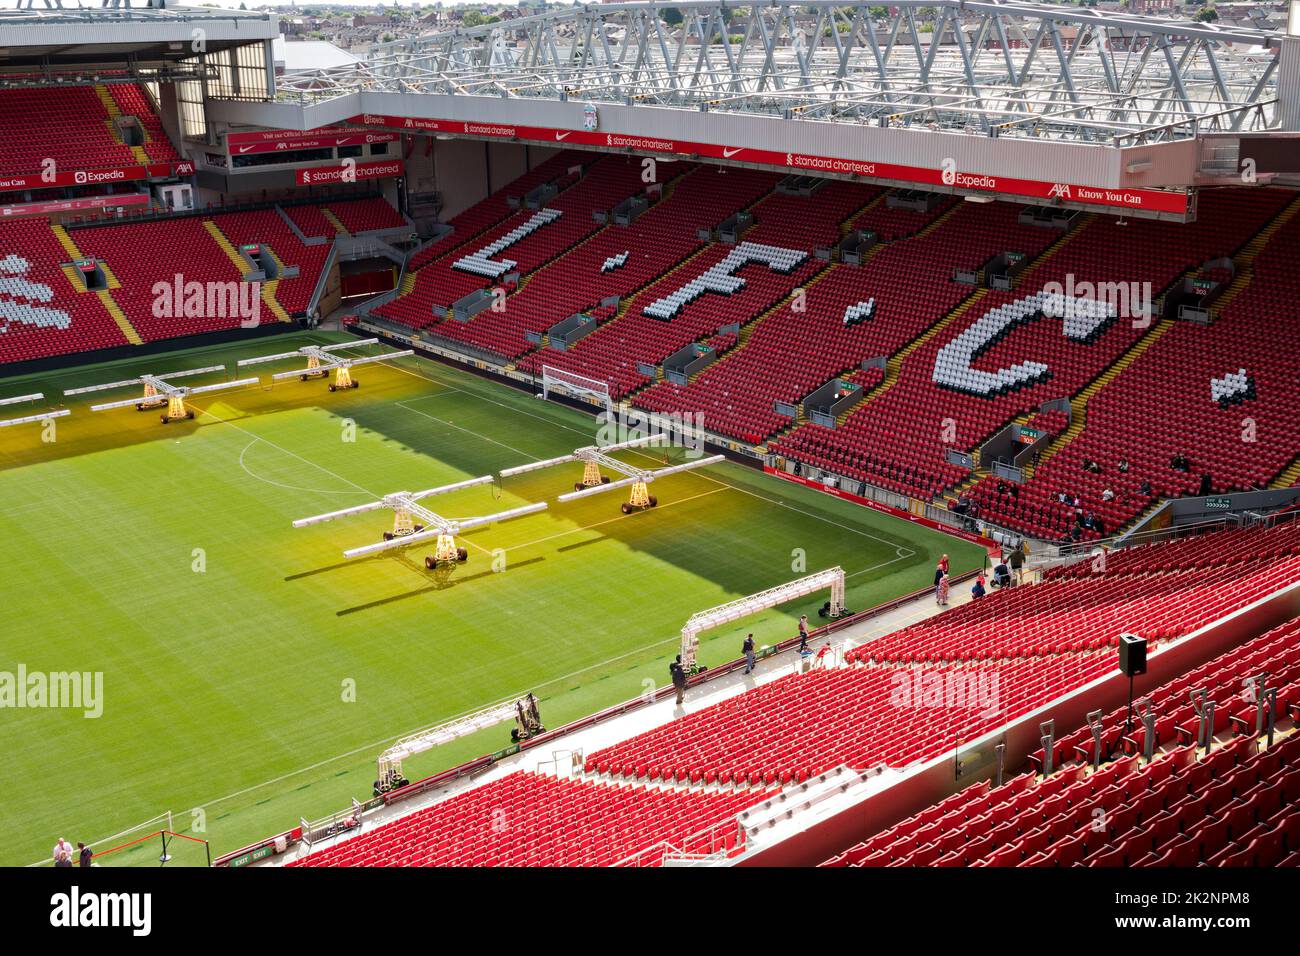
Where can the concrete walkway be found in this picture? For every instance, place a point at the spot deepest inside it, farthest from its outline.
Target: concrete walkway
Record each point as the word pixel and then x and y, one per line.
pixel 563 756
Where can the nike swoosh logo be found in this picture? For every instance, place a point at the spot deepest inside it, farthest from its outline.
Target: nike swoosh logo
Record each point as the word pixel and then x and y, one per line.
pixel 560 136
pixel 728 153
pixel 244 149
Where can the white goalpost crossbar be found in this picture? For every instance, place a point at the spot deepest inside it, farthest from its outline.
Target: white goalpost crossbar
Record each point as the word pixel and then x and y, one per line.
pixel 578 385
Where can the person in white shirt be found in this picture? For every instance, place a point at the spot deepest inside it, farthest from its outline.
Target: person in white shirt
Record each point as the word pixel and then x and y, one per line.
pixel 63 853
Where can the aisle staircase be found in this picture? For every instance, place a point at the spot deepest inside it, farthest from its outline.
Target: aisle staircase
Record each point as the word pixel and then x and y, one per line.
pixel 1290 477
pixel 115 310
pixel 1244 260
pixel 267 287
pixel 105 296
pixel 114 113
pixel 1079 403
pixel 334 221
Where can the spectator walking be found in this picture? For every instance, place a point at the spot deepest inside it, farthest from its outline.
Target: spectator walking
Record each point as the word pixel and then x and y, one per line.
pixel 84 855
pixel 941 591
pixel 748 648
pixel 803 634
pixel 679 679
pixel 1017 563
pixel 62 853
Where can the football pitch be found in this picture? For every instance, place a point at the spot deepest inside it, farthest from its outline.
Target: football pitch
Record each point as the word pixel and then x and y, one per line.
pixel 251 674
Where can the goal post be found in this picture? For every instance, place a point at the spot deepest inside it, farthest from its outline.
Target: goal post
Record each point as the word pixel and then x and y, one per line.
pixel 576 386
pixel 831 578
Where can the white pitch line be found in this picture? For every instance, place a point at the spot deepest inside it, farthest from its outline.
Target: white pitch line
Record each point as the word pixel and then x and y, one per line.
pixel 305 461
pixel 467 431
pixel 278 484
pixel 562 534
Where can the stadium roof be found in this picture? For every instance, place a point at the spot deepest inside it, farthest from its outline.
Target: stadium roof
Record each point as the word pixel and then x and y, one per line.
pixel 988 68
pixel 299 55
pixel 69 36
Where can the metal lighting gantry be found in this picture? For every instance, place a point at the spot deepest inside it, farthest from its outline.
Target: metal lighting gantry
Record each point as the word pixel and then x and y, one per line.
pixel 407 510
pixel 832 578
pixel 159 392
pixel 1020 69
pixel 322 359
pixel 389 769
pixel 27 419
pixel 594 458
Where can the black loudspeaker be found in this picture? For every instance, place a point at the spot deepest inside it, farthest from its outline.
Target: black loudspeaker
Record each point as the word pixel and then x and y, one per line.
pixel 1132 655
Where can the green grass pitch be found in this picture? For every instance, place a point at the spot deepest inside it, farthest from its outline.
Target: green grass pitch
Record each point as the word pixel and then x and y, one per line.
pixel 252 674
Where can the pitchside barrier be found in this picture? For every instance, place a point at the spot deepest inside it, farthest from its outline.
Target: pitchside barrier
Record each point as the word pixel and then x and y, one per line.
pixel 152 843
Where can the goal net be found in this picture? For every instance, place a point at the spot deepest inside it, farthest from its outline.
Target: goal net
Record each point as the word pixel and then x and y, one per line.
pixel 575 386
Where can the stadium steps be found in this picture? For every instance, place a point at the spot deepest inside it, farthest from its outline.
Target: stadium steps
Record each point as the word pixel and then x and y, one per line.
pixel 110 278
pixel 269 288
pixel 847 226
pixel 123 323
pixel 114 113
pixel 110 104
pixel 893 368
pixel 463 244
pixel 79 284
pixel 894 365
pixel 1245 273
pixel 334 221
pixel 66 242
pixel 1289 478
pixel 747 330
pixel 972 479
pixel 105 296
pixel 227 246
pixel 1079 404
pixel 560 254
pixel 269 300
pixel 1245 260
pixel 978 474
pixel 73 278
pixel 266 287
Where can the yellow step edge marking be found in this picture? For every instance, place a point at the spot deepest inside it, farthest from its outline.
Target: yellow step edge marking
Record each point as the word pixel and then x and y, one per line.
pixel 114 310
pixel 335 222
pixel 65 240
pixel 227 246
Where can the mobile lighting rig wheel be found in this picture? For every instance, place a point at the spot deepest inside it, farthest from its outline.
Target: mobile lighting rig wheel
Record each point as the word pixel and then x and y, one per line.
pixel 323 359
pixel 636 479
pixel 160 392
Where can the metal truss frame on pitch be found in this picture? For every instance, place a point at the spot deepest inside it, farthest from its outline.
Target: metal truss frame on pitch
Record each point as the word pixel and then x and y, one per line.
pixel 995 69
